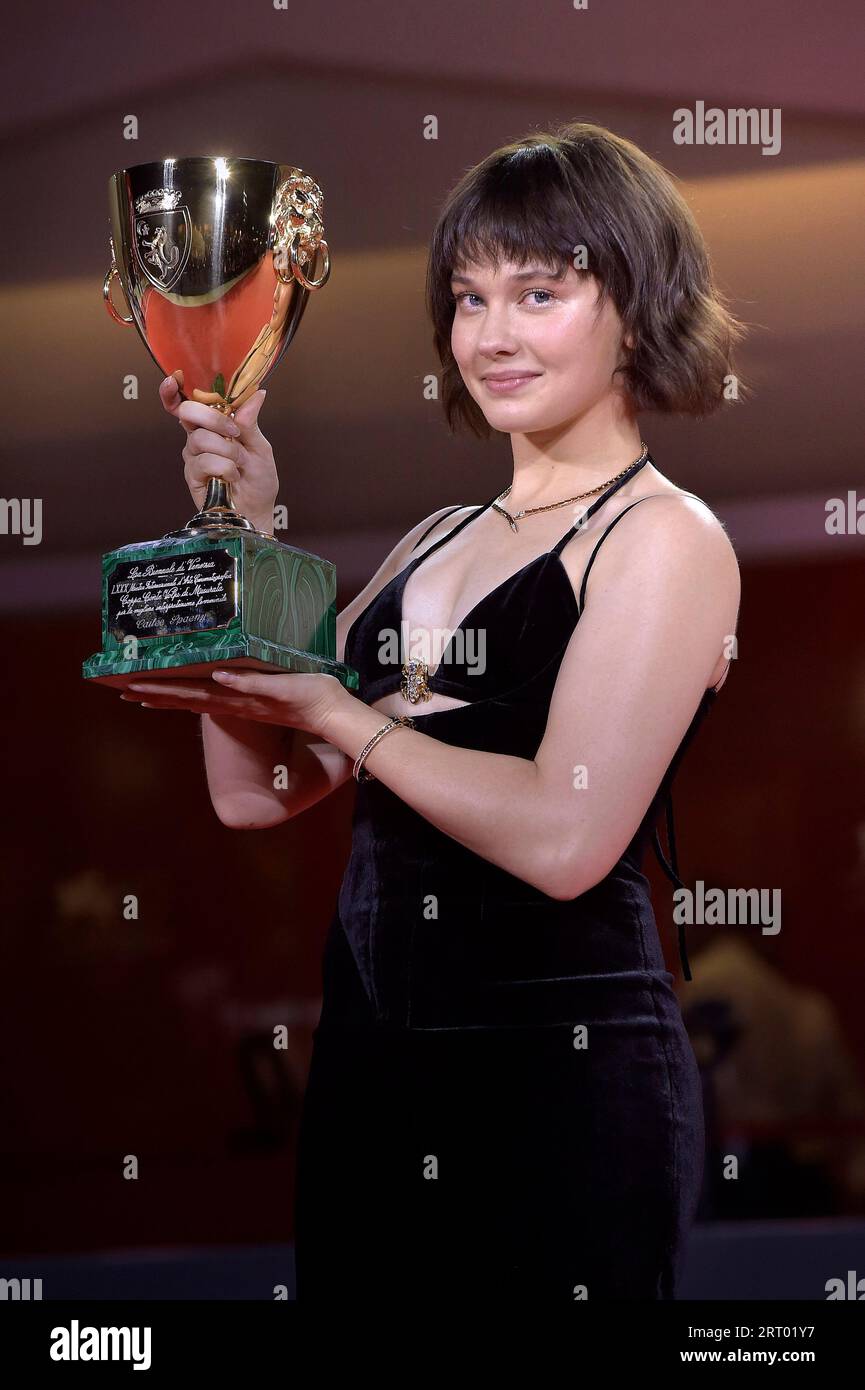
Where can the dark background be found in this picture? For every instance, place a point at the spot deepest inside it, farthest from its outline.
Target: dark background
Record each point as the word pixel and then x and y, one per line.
pixel 153 1037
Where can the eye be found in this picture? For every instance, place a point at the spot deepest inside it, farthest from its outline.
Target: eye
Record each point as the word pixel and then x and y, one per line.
pixel 469 294
pixel 466 294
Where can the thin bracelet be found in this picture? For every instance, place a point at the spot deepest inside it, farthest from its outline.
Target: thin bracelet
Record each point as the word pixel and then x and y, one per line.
pixel 362 774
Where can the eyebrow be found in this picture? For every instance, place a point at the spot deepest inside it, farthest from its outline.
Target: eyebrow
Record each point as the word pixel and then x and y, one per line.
pixel 533 273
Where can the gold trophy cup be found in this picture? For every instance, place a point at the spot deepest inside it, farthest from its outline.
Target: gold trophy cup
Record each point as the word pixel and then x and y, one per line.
pixel 216 260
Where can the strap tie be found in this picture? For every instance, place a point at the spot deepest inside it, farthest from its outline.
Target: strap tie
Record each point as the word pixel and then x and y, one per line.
pixel 672 871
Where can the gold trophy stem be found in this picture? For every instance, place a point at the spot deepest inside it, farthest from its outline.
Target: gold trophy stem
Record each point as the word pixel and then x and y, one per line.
pixel 217 514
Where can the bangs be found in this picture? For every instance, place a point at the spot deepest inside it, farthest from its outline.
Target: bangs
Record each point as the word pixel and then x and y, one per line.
pixel 519 207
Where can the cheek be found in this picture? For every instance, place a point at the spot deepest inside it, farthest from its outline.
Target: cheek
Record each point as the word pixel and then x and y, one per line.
pixel 565 348
pixel 459 341
pixel 579 345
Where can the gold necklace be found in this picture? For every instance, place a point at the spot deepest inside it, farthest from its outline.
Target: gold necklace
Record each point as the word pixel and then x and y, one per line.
pixel 527 511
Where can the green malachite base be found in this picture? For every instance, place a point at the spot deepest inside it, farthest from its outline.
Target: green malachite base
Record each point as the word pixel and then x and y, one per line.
pixel 179 608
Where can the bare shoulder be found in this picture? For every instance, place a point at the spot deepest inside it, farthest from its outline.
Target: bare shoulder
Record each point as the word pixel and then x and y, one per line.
pixel 675 513
pixel 671 533
pixel 687 521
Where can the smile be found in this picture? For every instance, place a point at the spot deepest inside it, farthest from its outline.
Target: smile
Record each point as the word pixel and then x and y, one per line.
pixel 501 385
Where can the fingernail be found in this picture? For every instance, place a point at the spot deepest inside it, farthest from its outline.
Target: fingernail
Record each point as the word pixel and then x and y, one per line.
pixel 223 675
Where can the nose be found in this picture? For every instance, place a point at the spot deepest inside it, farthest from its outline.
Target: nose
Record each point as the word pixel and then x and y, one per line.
pixel 496 334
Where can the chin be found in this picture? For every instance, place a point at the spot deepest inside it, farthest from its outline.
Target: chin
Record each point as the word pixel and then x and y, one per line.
pixel 525 421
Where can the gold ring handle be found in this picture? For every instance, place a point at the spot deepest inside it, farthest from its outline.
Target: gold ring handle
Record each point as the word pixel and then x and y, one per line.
pixel 301 275
pixel 296 271
pixel 109 302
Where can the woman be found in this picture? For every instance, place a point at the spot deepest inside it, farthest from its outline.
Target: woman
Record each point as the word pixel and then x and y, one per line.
pixel 503 1101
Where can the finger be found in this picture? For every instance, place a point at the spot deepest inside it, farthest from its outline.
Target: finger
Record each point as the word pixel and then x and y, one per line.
pixel 158 698
pixel 199 470
pixel 251 682
pixel 196 704
pixel 205 441
pixel 207 455
pixel 182 688
pixel 169 394
pixel 246 418
pixel 193 415
pixel 200 695
pixel 162 704
pixel 235 705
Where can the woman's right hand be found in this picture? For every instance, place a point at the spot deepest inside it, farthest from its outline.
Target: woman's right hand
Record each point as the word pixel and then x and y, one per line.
pixel 232 448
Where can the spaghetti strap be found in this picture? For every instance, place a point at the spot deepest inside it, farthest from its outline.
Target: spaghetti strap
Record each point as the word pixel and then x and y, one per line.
pixel 599 501
pixel 454 531
pixel 615 521
pixel 448 513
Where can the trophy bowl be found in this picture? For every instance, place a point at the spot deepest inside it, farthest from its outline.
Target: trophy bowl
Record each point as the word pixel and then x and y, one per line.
pixel 216 258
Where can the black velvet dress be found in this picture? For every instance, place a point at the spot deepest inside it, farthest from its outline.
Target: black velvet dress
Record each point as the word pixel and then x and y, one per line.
pixel 503 1102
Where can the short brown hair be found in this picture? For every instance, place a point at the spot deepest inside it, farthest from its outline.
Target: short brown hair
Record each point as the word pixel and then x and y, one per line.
pixel 581 185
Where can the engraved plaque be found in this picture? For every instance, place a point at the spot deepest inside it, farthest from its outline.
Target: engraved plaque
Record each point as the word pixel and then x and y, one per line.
pixel 172 594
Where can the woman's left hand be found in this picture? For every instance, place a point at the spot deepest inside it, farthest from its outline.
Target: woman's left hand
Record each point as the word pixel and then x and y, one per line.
pixel 296 699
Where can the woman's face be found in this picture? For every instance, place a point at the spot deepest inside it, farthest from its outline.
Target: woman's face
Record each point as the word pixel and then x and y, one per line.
pixel 523 322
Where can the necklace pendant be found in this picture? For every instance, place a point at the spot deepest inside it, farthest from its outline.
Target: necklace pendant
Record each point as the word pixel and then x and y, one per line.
pixel 414 685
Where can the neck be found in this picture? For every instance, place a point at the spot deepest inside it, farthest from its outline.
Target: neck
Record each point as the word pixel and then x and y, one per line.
pixel 550 465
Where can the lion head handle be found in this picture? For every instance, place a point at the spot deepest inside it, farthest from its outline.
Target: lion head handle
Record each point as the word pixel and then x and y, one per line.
pixel 299 229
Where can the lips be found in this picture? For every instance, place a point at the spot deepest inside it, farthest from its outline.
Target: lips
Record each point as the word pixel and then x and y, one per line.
pixel 510 384
pixel 509 376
